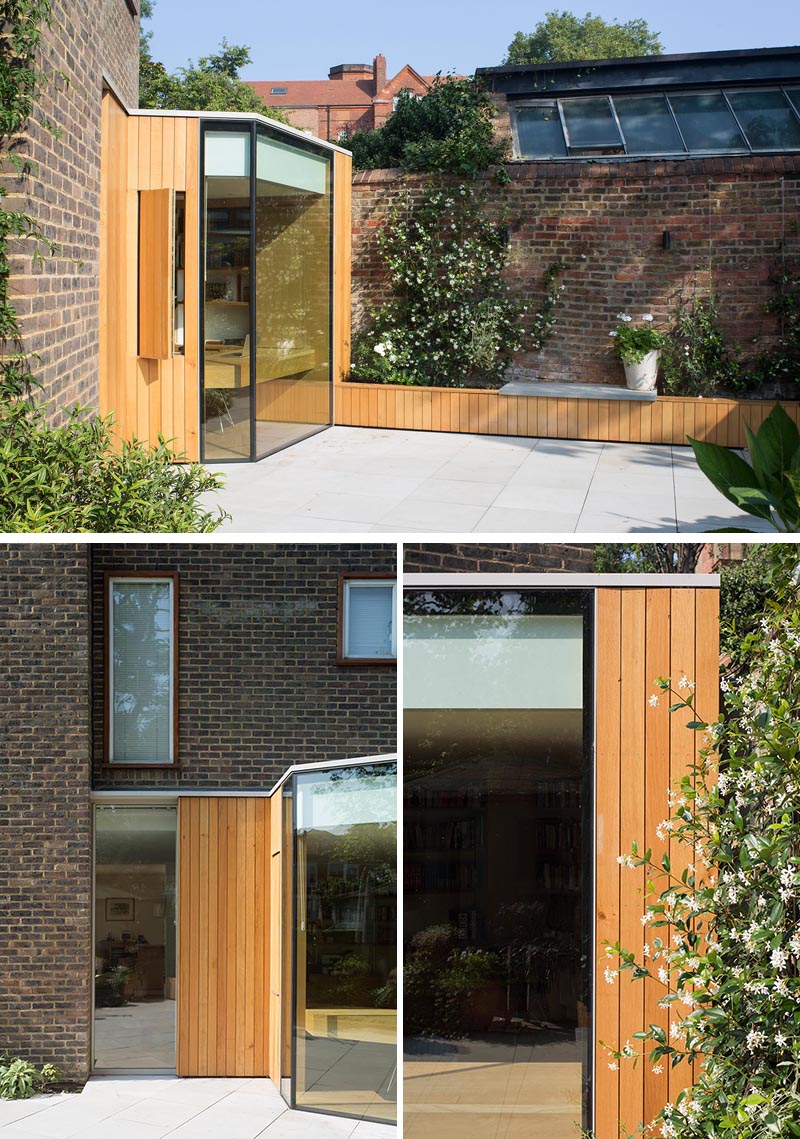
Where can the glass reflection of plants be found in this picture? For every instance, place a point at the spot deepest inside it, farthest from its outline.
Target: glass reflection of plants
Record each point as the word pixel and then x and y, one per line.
pixel 142 670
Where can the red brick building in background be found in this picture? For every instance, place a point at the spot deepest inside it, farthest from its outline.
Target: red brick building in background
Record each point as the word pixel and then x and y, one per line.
pixel 355 96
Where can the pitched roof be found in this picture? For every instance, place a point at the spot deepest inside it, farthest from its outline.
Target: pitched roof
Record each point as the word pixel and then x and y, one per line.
pixel 316 92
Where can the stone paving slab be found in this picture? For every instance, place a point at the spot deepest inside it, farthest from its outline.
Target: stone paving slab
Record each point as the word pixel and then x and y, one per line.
pixel 351 480
pixel 157 1107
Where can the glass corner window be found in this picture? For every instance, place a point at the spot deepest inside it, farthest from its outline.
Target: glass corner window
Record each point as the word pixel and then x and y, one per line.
pixel 367 620
pixel 141 632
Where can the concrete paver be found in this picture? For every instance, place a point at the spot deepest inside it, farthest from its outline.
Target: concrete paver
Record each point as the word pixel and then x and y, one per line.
pixel 352 480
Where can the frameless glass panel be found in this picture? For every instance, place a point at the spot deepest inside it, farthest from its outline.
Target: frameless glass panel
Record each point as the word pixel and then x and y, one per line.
pixel 706 122
pixel 793 95
pixel 766 119
pixel 539 132
pixel 141 683
pixel 227 284
pixel 346 927
pixel 293 292
pixel 647 125
pixel 497 918
pixel 134 937
pixel 590 123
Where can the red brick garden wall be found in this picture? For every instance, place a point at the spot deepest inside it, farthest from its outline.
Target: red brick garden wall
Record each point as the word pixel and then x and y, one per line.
pixel 57 299
pixel 728 219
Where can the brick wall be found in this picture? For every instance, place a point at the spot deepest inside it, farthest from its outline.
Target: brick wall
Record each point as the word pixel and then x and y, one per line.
pixel 726 216
pixel 259 688
pixel 45 824
pixel 57 299
pixel 521 557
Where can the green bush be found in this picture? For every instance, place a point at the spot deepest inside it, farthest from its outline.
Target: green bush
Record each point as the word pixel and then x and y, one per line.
pixel 449 130
pixel 74 478
pixel 19 1079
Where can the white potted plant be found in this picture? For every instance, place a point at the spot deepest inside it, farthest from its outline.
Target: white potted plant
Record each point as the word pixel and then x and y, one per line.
pixel 639 349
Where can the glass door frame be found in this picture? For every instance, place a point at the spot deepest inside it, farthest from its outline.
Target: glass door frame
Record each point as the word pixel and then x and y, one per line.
pixel 582 595
pixel 130 800
pixel 290 1093
pixel 252 127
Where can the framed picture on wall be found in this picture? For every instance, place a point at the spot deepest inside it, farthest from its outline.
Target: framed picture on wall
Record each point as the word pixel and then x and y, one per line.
pixel 120 909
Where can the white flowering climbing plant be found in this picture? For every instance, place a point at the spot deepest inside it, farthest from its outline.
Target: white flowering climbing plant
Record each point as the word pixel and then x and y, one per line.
pixel 722 933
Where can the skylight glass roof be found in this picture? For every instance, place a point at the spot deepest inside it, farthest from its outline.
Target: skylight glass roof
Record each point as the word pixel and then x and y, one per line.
pixel 726 121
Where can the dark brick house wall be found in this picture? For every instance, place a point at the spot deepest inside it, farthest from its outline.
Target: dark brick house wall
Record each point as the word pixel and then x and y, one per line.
pixel 259 687
pixel 516 557
pixel 57 299
pixel 45 820
pixel 728 219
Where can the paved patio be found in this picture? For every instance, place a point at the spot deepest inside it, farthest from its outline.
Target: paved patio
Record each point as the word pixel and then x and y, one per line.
pixel 373 480
pixel 149 1107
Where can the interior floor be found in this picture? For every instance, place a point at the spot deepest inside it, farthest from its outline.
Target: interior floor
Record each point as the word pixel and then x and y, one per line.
pixel 341 1072
pixel 491 1089
pixel 140 1034
pixel 233 441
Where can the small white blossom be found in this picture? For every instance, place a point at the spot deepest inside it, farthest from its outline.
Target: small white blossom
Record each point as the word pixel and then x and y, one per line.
pixel 648 316
pixel 610 975
pixel 653 701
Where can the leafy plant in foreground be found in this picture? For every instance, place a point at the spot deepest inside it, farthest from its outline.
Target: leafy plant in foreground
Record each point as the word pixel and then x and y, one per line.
pixel 20 1079
pixel 768 486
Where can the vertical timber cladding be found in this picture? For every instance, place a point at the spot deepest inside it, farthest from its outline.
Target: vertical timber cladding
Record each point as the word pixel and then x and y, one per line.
pixel 156 392
pixel 641 751
pixel 224 938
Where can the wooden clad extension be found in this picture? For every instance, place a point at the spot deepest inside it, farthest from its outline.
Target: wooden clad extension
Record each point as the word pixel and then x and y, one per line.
pixel 224 868
pixel 668 419
pixel 641 750
pixel 156 219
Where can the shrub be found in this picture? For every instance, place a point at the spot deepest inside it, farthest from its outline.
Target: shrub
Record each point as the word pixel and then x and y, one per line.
pixel 19 1079
pixel 448 130
pixel 696 359
pixel 631 343
pixel 75 478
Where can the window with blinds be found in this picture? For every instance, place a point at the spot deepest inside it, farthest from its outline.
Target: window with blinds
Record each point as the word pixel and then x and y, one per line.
pixel 368 626
pixel 142 648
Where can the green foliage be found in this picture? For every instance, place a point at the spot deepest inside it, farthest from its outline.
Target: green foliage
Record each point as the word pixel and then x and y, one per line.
pixel 211 84
pixel 646 557
pixel 20 1079
pixel 73 479
pixel 562 37
pixel 723 937
pixel 631 343
pixel 782 362
pixel 767 487
pixel 696 358
pixel 452 321
pixel 440 978
pixel 745 589
pixel 448 130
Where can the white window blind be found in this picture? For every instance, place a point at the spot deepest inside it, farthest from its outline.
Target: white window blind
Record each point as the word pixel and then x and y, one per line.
pixel 369 620
pixel 141 663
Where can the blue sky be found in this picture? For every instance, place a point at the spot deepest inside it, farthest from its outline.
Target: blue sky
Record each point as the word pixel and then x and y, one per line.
pixel 302 40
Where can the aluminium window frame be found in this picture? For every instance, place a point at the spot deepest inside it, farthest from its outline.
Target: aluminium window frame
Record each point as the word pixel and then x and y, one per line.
pixel 109 577
pixel 612 155
pixel 366 579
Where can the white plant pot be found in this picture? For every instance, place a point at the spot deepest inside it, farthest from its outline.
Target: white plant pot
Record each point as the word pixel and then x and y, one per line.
pixel 641 377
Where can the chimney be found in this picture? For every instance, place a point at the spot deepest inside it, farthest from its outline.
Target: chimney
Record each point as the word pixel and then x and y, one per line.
pixel 379 72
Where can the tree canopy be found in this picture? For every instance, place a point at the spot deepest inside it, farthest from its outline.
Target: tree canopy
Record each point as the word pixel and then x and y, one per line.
pixel 448 130
pixel 211 84
pixel 562 36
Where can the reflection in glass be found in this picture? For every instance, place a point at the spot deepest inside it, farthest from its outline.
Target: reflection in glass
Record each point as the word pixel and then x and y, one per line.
pixel 497 957
pixel 134 937
pixel 293 280
pixel 227 283
pixel 539 132
pixel 766 120
pixel 647 124
pixel 706 122
pixel 141 650
pixel 590 122
pixel 346 926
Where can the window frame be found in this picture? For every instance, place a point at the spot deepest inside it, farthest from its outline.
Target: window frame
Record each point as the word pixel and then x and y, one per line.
pixel 583 153
pixel 368 579
pixel 109 577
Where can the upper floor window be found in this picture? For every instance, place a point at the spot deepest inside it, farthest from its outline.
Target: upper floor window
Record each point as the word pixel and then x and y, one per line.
pixel 277 90
pixel 141 671
pixel 656 123
pixel 367 623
